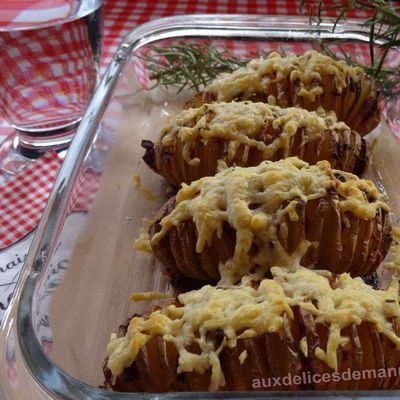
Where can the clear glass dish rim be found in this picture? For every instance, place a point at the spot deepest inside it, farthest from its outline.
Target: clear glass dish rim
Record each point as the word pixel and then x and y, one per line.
pixel 225 26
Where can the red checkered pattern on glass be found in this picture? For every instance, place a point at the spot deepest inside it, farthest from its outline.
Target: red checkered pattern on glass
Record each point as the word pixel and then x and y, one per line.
pixel 22 199
pixel 47 73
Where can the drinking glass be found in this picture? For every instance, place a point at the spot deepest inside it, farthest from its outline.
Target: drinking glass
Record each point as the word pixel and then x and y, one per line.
pixel 49 65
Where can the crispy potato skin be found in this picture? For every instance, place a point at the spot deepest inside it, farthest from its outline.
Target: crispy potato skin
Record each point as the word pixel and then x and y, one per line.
pixel 345 150
pixel 356 247
pixel 357 105
pixel 270 358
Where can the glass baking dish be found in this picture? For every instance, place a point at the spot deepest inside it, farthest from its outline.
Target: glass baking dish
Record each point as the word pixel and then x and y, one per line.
pixel 82 267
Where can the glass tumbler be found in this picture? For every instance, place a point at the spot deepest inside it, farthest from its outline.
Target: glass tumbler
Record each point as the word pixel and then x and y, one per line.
pixel 49 66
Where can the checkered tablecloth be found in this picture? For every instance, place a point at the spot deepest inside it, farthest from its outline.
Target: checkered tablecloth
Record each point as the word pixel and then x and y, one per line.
pixel 23 197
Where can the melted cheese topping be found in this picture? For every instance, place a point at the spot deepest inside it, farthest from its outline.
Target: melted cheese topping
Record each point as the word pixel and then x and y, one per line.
pixel 146 193
pixel 142 242
pixel 243 356
pixel 242 124
pixel 355 191
pixel 254 312
pixel 308 70
pixel 145 296
pixel 255 202
pixel 304 346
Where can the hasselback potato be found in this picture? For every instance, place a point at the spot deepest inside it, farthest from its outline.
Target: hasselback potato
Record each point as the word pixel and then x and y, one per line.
pixel 301 330
pixel 309 81
pixel 284 213
pixel 246 133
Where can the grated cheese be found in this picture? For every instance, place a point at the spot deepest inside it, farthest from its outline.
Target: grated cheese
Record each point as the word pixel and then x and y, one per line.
pixel 354 191
pixel 144 296
pixel 242 123
pixel 142 242
pixel 260 74
pixel 254 312
pixel 251 201
pixel 243 356
pixel 304 346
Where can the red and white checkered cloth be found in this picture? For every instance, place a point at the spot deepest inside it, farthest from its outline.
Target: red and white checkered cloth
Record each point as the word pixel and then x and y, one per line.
pixel 22 198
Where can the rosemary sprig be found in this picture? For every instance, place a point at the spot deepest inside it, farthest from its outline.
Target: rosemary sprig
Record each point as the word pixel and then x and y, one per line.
pixel 189 65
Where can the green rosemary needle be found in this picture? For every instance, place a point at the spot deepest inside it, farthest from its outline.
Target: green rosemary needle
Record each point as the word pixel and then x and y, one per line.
pixel 189 65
